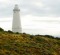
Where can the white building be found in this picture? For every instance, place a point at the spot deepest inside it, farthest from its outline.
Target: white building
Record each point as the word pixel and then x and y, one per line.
pixel 16 26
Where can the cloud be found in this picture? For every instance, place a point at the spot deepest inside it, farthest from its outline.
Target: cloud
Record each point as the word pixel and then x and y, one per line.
pixel 42 7
pixel 33 7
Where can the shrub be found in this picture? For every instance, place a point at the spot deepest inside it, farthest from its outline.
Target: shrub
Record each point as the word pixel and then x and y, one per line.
pixel 10 31
pixel 24 33
pixel 17 32
pixel 1 29
pixel 57 38
pixel 49 36
pixel 40 39
pixel 31 36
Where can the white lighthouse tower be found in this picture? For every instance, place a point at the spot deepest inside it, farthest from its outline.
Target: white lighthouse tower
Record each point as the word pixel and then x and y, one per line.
pixel 16 26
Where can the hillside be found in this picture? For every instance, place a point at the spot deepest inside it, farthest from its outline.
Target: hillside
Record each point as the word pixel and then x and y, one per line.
pixel 26 44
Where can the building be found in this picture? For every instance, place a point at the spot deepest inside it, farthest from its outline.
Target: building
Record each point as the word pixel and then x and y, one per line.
pixel 16 24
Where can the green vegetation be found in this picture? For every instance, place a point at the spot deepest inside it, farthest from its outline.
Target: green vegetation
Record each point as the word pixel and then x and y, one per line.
pixel 1 29
pixel 26 44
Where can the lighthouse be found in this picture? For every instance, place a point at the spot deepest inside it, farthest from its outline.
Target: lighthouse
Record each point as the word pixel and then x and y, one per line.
pixel 16 24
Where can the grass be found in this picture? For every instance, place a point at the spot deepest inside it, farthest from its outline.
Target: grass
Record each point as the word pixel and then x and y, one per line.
pixel 26 44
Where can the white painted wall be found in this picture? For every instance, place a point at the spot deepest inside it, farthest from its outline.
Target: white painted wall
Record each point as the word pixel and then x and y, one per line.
pixel 16 26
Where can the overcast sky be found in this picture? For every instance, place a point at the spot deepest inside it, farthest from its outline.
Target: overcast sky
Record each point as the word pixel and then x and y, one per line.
pixel 37 16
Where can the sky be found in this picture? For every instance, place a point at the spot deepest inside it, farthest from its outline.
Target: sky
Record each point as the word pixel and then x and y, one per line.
pixel 37 16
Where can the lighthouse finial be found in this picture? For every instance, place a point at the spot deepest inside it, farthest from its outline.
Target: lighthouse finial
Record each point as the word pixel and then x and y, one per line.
pixel 16 8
